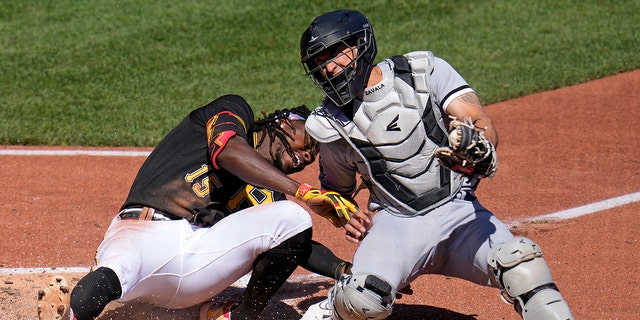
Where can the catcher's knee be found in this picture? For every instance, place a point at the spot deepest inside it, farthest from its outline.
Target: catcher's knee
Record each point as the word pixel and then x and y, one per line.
pixel 518 269
pixel 362 296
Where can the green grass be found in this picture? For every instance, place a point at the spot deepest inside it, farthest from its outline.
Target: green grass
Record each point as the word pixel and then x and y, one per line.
pixel 123 73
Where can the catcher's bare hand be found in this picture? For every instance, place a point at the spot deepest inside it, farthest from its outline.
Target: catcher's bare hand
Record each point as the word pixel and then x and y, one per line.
pixel 469 151
pixel 358 226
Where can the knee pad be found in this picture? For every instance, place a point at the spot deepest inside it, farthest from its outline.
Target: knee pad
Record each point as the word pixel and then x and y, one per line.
pixel 518 269
pixel 362 296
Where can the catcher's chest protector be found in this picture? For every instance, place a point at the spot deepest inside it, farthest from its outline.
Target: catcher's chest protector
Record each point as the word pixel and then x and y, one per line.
pixel 396 129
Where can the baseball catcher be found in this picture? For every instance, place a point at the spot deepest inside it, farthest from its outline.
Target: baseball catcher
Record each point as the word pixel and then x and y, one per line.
pixel 414 131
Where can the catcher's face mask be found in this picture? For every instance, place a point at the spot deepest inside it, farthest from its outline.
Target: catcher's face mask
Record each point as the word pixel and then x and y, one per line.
pixel 323 42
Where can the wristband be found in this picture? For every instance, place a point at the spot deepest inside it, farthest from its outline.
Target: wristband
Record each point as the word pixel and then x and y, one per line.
pixel 306 192
pixel 302 190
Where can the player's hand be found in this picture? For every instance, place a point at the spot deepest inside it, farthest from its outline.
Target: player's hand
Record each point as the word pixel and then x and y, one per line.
pixel 358 225
pixel 330 205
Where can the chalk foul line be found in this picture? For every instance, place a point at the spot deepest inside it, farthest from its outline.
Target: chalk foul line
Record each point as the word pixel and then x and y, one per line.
pixel 583 210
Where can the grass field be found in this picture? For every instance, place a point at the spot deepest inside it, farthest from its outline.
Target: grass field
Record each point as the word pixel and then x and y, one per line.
pixel 123 73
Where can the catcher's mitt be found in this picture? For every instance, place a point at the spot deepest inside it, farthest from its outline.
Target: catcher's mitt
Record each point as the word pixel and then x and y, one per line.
pixel 328 204
pixel 469 151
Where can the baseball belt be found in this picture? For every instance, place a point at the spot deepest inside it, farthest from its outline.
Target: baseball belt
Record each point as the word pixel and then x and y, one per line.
pixel 465 194
pixel 146 214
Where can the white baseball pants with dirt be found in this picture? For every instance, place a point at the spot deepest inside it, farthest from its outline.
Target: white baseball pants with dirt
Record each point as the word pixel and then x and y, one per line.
pixel 174 264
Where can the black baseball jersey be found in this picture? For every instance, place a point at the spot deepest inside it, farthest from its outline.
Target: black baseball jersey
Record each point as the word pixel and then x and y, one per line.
pixel 181 176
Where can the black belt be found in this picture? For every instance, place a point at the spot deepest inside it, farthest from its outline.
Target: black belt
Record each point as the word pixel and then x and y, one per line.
pixel 146 214
pixel 466 194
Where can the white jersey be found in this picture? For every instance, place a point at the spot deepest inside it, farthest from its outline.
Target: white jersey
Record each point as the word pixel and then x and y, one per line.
pixel 391 137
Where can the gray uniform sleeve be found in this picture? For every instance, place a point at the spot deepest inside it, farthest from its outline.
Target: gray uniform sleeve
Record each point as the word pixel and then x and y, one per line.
pixel 338 167
pixel 446 83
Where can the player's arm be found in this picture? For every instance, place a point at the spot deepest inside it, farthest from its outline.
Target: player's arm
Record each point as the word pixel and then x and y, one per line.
pixel 229 148
pixel 338 166
pixel 468 105
pixel 472 139
pixel 458 99
pixel 241 160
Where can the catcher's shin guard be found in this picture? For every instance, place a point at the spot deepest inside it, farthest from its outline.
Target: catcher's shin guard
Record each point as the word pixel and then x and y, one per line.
pixel 518 269
pixel 362 296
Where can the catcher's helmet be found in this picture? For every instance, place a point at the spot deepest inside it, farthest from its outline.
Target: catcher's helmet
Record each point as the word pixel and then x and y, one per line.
pixel 347 28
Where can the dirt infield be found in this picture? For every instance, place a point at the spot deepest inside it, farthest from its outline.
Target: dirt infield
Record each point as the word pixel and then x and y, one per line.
pixel 558 150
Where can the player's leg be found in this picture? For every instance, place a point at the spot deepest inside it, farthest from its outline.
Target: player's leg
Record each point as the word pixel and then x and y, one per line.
pixel 93 292
pixel 96 289
pixel 515 265
pixel 518 269
pixel 324 262
pixel 378 268
pixel 269 240
pixel 135 251
pixel 476 231
pixel 115 256
pixel 271 269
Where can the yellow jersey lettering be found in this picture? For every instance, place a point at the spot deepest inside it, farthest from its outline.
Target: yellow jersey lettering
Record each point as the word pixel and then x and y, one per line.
pixel 190 177
pixel 201 188
pixel 248 197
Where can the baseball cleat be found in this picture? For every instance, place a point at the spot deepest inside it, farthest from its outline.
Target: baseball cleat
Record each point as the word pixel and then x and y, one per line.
pixel 319 311
pixel 209 311
pixel 54 299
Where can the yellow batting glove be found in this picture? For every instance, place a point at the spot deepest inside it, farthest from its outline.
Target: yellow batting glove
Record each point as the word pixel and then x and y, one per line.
pixel 329 205
pixel 306 192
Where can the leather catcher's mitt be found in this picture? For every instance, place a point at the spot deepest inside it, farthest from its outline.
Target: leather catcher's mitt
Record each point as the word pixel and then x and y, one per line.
pixel 469 151
pixel 328 204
